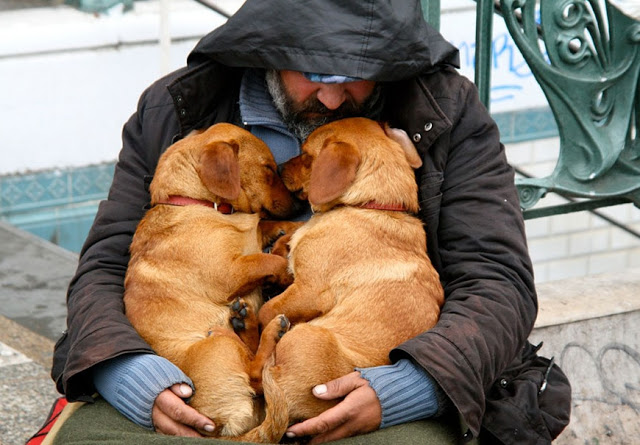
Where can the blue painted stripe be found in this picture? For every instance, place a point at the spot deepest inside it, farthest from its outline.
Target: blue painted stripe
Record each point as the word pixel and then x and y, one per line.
pixel 52 188
pixel 526 125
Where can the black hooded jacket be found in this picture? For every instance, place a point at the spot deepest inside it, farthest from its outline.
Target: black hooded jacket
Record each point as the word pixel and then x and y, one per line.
pixel 478 352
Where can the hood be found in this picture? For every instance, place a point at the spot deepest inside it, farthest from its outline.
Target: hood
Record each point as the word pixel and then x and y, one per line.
pixel 383 40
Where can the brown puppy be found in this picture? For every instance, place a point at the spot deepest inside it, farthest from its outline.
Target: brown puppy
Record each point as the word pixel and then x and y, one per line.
pixel 363 282
pixel 191 256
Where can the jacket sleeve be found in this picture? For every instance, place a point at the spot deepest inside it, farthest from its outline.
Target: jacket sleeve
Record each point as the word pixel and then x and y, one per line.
pixel 97 328
pixel 490 302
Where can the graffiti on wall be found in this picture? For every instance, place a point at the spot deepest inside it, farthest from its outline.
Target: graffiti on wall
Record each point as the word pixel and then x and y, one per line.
pixel 613 374
pixel 513 85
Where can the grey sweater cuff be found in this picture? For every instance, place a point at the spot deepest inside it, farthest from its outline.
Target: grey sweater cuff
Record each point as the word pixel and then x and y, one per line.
pixel 406 392
pixel 131 383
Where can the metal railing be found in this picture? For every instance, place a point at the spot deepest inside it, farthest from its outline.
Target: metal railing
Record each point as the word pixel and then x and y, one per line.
pixel 586 57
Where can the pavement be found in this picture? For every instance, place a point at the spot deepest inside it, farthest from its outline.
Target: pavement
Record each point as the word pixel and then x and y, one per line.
pixel 34 275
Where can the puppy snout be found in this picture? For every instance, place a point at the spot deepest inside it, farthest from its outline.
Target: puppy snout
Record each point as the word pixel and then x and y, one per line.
pixel 285 209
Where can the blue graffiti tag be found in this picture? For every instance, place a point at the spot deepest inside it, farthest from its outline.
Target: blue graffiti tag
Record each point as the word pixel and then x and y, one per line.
pixel 506 57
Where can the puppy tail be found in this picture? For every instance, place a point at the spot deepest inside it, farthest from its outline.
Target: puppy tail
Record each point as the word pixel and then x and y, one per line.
pixel 276 418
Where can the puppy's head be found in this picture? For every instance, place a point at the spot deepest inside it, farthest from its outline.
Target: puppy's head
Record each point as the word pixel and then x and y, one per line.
pixel 354 161
pixel 224 163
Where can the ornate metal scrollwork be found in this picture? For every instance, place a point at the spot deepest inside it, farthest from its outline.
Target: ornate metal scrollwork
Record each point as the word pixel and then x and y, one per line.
pixel 585 54
pixel 530 195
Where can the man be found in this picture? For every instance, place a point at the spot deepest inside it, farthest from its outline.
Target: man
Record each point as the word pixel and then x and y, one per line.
pixel 281 68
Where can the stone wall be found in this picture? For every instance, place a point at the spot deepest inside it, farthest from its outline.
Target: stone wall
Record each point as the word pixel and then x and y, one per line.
pixel 591 326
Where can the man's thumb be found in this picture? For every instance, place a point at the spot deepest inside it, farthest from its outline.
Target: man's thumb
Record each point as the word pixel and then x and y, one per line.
pixel 339 387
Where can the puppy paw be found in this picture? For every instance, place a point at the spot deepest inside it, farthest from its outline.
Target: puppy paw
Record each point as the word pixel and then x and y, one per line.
pixel 280 274
pixel 285 279
pixel 271 335
pixel 239 312
pixel 281 246
pixel 276 329
pixel 284 325
pixel 274 230
pixel 244 321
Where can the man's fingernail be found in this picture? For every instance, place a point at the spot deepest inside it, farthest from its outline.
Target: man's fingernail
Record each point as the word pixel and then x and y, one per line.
pixel 185 390
pixel 320 389
pixel 209 428
pixel 290 435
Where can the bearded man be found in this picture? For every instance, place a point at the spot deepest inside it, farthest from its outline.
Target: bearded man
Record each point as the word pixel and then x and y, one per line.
pixel 280 69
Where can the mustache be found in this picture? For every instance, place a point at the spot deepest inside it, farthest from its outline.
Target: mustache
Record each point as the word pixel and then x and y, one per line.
pixel 304 117
pixel 313 106
pixel 314 110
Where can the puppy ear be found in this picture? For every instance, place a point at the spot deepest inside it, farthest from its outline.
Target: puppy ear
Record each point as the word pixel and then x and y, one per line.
pixel 333 171
pixel 402 138
pixel 219 169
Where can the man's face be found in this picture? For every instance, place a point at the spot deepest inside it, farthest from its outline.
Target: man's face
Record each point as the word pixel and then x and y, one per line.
pixel 306 105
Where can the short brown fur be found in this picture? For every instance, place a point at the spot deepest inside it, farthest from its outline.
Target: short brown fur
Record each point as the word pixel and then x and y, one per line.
pixel 188 263
pixel 363 281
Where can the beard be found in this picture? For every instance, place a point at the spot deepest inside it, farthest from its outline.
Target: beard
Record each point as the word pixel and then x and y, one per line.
pixel 303 118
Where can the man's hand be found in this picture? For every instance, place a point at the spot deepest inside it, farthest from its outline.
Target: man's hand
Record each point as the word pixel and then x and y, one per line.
pixel 358 413
pixel 171 416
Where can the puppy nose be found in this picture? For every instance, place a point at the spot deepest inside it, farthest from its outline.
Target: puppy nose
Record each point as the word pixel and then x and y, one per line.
pixel 331 95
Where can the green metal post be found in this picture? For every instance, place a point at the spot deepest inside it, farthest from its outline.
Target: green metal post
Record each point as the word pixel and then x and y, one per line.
pixel 431 12
pixel 484 39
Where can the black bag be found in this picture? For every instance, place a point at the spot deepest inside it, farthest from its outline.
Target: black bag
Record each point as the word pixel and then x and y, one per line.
pixel 530 403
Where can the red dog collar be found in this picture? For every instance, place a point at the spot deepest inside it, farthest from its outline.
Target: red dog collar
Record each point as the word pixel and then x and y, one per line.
pixel 176 200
